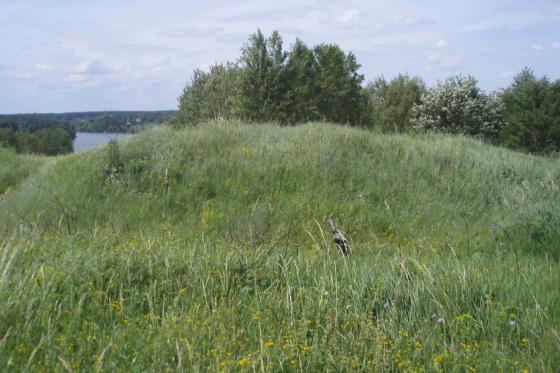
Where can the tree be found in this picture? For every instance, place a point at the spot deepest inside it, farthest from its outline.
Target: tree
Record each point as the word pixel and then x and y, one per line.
pixel 339 90
pixel 459 106
pixel 263 85
pixel 210 96
pixel 53 141
pixel 532 108
pixel 269 84
pixel 301 98
pixel 8 138
pixel 398 99
pixel 374 92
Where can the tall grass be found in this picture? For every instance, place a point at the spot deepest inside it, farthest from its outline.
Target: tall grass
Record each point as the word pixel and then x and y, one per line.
pixel 208 251
pixel 151 303
pixel 14 168
pixel 267 185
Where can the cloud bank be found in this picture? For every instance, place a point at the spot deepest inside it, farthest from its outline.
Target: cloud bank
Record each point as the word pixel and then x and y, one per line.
pixel 127 55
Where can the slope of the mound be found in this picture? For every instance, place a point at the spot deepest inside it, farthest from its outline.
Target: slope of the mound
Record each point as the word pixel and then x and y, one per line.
pixel 15 168
pixel 268 184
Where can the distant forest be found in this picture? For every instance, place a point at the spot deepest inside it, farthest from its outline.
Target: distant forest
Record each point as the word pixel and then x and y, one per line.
pixel 92 121
pixel 52 134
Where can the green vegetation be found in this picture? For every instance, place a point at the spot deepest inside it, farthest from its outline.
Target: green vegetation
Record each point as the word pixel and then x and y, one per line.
pixel 47 141
pixel 396 101
pixel 458 106
pixel 53 134
pixel 207 249
pixel 323 83
pixel 29 134
pixel 268 84
pixel 94 121
pixel 532 114
pixel 116 121
pixel 14 169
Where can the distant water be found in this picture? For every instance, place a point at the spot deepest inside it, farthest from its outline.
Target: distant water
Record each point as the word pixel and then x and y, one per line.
pixel 85 141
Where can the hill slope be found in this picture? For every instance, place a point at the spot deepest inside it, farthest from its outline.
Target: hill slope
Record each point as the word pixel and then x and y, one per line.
pixel 14 169
pixel 266 184
pixel 203 250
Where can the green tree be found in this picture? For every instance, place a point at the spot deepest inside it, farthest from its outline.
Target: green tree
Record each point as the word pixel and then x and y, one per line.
pixel 8 138
pixel 27 142
pixel 374 92
pixel 53 141
pixel 339 90
pixel 263 81
pixel 398 99
pixel 459 106
pixel 210 96
pixel 532 113
pixel 301 97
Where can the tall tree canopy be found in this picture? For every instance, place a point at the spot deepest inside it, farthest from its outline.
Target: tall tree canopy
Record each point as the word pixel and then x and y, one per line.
pixel 532 112
pixel 270 84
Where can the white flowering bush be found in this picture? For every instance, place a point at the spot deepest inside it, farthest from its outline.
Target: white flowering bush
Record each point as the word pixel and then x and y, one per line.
pixel 459 106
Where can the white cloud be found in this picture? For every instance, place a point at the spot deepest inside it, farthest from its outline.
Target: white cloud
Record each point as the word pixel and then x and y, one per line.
pixel 342 18
pixel 93 68
pixel 507 74
pixel 537 47
pixel 130 54
pixel 443 60
pixel 409 21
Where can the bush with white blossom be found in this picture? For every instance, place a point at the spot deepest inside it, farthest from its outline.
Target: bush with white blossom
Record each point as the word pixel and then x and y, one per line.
pixel 459 106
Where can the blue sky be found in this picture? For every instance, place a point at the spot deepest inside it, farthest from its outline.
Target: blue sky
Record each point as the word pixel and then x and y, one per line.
pixel 77 55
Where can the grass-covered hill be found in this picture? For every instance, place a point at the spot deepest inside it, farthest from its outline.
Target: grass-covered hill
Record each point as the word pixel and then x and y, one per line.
pixel 272 185
pixel 208 249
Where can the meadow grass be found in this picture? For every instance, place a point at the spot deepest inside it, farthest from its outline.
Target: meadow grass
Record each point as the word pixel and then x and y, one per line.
pixel 206 250
pixel 15 168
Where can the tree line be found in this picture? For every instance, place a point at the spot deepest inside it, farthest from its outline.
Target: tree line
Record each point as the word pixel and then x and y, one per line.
pixel 268 84
pixel 89 121
pixel 52 134
pixel 47 141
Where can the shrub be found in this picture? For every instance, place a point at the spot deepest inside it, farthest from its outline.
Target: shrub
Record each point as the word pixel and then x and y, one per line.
pixel 459 106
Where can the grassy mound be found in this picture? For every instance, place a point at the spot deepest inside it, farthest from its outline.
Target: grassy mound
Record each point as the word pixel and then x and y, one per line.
pixel 206 250
pixel 272 185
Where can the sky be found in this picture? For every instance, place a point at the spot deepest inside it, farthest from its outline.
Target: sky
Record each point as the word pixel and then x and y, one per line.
pixel 90 55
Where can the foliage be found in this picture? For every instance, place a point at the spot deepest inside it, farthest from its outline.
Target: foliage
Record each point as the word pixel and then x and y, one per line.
pixel 269 84
pixel 398 99
pixel 375 91
pixel 340 97
pixel 34 123
pixel 302 97
pixel 532 112
pixel 210 95
pixel 263 87
pixel 459 106
pixel 105 121
pixel 47 141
